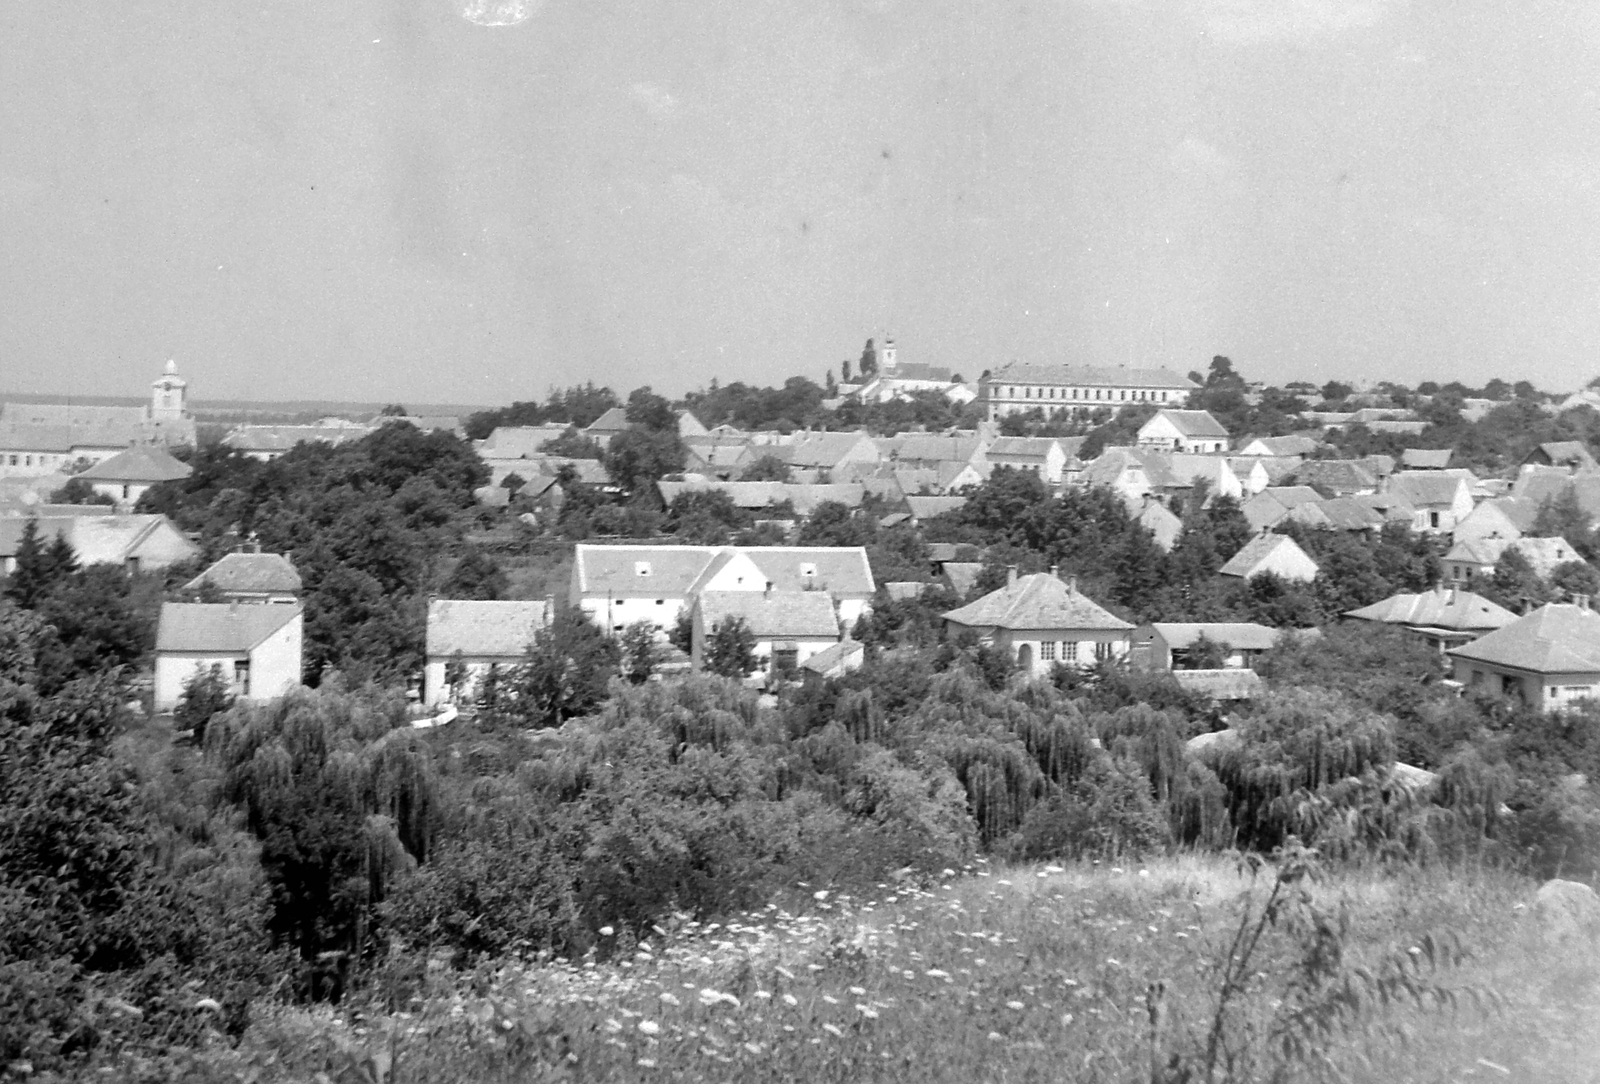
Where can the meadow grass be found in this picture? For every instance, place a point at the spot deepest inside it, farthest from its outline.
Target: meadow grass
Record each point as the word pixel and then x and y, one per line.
pixel 1036 973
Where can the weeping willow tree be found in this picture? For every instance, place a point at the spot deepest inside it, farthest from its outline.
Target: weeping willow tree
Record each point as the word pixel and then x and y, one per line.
pixel 342 797
pixel 1307 760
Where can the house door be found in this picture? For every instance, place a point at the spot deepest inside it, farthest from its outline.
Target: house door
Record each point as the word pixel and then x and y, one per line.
pixel 1025 658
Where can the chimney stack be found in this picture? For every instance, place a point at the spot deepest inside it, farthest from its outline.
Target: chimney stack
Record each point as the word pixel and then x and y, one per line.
pixel 1011 575
pixel 1072 585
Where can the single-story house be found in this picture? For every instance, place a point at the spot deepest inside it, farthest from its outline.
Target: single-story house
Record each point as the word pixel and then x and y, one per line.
pixel 125 476
pixel 1425 458
pixel 1184 431
pixel 1440 499
pixel 251 577
pixel 1170 645
pixel 836 661
pixel 1549 659
pixel 478 635
pixel 256 648
pixel 1502 517
pixel 1571 454
pixel 1044 456
pixel 1445 617
pixel 1280 446
pixel 138 543
pixel 1275 553
pixel 1042 620
pixel 789 627
pixel 1162 523
pixel 1474 557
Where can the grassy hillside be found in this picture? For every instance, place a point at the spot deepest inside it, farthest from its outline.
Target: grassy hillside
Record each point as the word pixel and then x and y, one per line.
pixel 1026 973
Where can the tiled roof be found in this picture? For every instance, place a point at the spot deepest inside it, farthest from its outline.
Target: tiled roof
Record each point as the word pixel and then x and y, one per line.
pixel 1423 488
pixel 281 438
pixel 1161 522
pixel 75 415
pixel 1349 514
pixel 773 615
pixel 841 570
pixel 1257 550
pixel 843 653
pixel 96 538
pixel 1091 376
pixel 1022 447
pixel 1193 423
pixel 614 420
pixel 1569 452
pixel 930 447
pixel 673 570
pixel 518 441
pixel 251 573
pixel 219 626
pixel 1560 638
pixel 804 496
pixel 1292 496
pixel 963 575
pixel 22 437
pixel 1334 474
pixel 1290 445
pixel 141 464
pixel 823 449
pixel 1425 458
pixel 1440 608
pixel 477 628
pixel 1039 601
pixel 1240 635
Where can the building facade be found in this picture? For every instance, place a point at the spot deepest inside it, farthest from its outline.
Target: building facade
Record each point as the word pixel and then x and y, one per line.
pixel 1058 390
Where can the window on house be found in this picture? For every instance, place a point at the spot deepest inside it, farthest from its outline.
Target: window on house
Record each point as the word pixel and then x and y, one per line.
pixel 1433 519
pixel 1069 651
pixel 241 676
pixel 1047 651
pixel 1102 651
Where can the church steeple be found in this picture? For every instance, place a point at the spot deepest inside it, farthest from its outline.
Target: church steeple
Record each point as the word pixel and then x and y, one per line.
pixel 169 395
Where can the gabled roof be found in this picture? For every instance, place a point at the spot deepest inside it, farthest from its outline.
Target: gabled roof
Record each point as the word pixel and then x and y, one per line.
pixel 635 571
pixel 614 420
pixel 1334 474
pixel 97 538
pixel 1192 423
pixel 1256 551
pixel 1424 488
pixel 251 573
pixel 1349 514
pixel 1292 496
pixel 1560 638
pixel 475 628
pixel 1240 635
pixel 221 627
pixel 143 463
pixel 774 615
pixel 1039 601
pixel 1161 522
pixel 1091 376
pixel 281 438
pixel 822 449
pixel 1290 445
pixel 840 570
pixel 1441 608
pixel 1425 458
pixel 1573 453
pixel 845 653
pixel 22 437
pixel 1022 447
pixel 963 575
pixel 1109 467
pixel 518 441
pixel 930 447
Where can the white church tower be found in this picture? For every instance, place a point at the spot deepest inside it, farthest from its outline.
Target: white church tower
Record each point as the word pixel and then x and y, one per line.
pixel 169 396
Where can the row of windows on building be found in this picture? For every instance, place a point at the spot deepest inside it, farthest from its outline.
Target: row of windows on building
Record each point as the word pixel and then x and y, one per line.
pixel 1067 651
pixel 22 459
pixel 1025 391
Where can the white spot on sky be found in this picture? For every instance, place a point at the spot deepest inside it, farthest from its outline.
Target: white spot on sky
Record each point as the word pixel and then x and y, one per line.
pixel 498 12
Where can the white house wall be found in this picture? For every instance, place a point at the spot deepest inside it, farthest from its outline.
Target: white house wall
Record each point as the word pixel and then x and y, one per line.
pixel 275 662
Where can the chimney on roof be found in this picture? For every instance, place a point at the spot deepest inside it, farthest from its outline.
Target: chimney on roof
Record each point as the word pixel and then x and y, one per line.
pixel 1451 601
pixel 1011 575
pixel 1072 585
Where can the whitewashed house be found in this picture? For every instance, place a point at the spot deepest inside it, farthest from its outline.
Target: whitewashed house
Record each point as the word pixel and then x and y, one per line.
pixel 477 635
pixel 126 476
pixel 1193 431
pixel 789 628
pixel 257 649
pixel 1277 554
pixel 1042 620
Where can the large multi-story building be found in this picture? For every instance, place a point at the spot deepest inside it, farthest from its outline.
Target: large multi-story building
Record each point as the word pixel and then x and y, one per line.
pixel 44 438
pixel 1078 389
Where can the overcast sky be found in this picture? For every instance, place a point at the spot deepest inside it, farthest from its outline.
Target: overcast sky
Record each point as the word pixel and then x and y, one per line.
pixel 382 199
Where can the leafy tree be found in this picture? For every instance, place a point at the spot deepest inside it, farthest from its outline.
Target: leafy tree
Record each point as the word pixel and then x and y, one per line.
pixel 681 634
pixel 1561 516
pixel 573 444
pixel 455 673
pixel 868 365
pixel 639 651
pixel 205 695
pixel 565 671
pixel 476 576
pixel 78 491
pixel 638 458
pixel 730 648
pixel 1208 654
pixel 704 516
pixel 767 468
pixel 1336 391
pixel 651 412
pixel 834 524
pixel 39 566
pixel 1576 578
pixel 393 410
pixel 1515 585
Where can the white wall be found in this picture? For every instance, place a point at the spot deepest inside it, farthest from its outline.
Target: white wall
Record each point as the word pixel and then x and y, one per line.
pixel 174 669
pixel 275 663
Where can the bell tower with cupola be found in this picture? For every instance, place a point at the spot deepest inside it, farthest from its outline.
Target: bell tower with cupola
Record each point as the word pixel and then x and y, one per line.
pixel 169 396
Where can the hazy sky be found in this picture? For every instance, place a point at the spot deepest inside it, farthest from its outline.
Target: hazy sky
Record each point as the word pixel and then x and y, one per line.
pixel 380 199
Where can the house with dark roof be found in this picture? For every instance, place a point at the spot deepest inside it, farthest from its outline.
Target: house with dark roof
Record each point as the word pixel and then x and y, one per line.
pixel 789 627
pixel 256 649
pixel 1171 645
pixel 1273 504
pixel 1193 431
pixel 1044 456
pixel 1549 659
pixel 829 451
pixel 466 637
pixel 250 577
pixel 1573 455
pixel 1445 616
pixel 1425 458
pixel 1277 554
pixel 1335 477
pixel 1041 620
pixel 125 476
